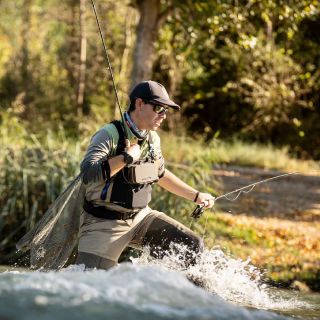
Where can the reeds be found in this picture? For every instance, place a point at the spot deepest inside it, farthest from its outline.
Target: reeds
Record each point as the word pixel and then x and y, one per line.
pixel 31 177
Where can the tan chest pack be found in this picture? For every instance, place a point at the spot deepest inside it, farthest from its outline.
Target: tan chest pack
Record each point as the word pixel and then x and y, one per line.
pixel 143 173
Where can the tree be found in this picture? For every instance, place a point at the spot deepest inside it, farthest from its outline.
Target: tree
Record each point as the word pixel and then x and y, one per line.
pixel 82 58
pixel 25 63
pixel 240 71
pixel 152 17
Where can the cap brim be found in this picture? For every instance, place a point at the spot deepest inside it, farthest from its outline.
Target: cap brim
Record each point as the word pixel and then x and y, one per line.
pixel 166 102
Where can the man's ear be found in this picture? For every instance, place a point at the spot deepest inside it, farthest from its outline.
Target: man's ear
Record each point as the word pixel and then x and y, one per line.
pixel 139 103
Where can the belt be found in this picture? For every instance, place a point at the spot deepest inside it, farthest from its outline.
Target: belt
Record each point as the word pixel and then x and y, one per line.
pixel 104 213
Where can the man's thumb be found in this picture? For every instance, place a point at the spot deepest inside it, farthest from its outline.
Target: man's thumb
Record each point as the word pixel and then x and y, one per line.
pixel 127 142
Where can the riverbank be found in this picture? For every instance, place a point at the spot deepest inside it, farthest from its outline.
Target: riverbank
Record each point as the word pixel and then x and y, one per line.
pixel 287 251
pixel 276 225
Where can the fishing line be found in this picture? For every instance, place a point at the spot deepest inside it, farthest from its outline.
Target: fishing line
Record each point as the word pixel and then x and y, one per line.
pixel 201 207
pixel 238 195
pixel 252 185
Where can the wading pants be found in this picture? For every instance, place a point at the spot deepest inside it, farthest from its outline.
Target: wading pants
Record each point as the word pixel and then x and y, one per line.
pixel 102 241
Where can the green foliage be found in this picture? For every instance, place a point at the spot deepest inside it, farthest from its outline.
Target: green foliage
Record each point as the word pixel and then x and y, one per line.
pixel 271 83
pixel 248 69
pixel 39 59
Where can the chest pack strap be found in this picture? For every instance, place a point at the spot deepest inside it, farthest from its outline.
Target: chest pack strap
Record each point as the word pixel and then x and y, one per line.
pixel 122 143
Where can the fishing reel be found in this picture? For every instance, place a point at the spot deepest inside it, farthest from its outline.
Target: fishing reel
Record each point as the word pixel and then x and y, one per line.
pixel 198 211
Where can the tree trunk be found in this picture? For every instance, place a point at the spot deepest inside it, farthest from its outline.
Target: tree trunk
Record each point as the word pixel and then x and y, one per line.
pixel 83 58
pixel 124 64
pixel 147 33
pixel 71 59
pixel 25 72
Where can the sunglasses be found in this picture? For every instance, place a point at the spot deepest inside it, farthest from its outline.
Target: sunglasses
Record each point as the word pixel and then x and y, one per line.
pixel 159 109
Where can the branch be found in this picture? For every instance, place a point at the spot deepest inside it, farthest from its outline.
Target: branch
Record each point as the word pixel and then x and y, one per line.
pixel 163 15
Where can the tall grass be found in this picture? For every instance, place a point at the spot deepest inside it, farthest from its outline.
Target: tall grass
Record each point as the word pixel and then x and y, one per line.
pixel 33 173
pixel 235 152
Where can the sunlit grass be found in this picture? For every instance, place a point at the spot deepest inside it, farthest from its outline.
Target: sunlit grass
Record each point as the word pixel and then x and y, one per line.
pixel 237 153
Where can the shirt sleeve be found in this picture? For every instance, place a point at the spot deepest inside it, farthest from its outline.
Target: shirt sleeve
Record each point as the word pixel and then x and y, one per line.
pixel 95 165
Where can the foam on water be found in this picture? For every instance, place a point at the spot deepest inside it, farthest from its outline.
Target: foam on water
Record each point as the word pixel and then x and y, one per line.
pixel 232 279
pixel 128 291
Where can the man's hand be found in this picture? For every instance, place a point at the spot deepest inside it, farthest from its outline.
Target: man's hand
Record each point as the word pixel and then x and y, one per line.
pixel 133 150
pixel 206 199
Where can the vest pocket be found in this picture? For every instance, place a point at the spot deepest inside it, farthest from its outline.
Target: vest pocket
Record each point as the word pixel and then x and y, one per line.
pixel 130 196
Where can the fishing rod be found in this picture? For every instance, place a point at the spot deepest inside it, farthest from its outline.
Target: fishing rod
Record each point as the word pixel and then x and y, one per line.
pixel 198 211
pixel 109 66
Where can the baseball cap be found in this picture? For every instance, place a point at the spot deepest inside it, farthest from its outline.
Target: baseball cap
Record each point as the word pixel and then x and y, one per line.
pixel 153 92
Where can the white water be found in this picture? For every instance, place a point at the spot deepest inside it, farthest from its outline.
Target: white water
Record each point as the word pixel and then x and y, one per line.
pixel 144 290
pixel 232 279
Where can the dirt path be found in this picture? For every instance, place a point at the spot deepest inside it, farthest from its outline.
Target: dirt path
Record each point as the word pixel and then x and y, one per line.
pixel 294 197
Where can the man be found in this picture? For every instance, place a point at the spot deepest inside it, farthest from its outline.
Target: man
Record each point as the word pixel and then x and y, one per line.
pixel 122 162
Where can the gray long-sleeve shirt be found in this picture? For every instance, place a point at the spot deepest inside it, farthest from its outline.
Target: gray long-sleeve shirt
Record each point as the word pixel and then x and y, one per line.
pixel 103 145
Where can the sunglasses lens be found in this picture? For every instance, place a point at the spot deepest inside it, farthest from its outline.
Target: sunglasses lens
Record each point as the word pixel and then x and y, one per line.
pixel 159 109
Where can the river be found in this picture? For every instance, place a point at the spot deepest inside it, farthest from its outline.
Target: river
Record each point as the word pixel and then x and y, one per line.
pixel 144 289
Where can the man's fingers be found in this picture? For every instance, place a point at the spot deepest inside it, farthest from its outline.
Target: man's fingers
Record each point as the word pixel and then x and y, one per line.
pixel 208 203
pixel 133 150
pixel 206 199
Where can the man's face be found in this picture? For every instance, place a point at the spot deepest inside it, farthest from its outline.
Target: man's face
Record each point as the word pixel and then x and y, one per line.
pixel 152 116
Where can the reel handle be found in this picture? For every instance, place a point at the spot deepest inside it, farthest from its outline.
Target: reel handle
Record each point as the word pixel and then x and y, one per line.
pixel 198 211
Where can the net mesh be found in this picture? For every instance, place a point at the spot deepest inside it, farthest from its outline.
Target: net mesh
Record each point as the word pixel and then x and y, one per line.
pixel 54 237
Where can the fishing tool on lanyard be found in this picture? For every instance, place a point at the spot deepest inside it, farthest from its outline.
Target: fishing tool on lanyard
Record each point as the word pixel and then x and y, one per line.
pixel 109 66
pixel 198 211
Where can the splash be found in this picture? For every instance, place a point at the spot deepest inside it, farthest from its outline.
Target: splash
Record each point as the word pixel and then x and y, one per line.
pixel 232 279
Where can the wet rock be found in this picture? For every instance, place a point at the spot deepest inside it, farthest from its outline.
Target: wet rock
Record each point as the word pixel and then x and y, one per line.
pixel 300 286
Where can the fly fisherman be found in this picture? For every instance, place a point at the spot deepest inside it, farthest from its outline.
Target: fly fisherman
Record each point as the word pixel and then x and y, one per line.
pixel 122 163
